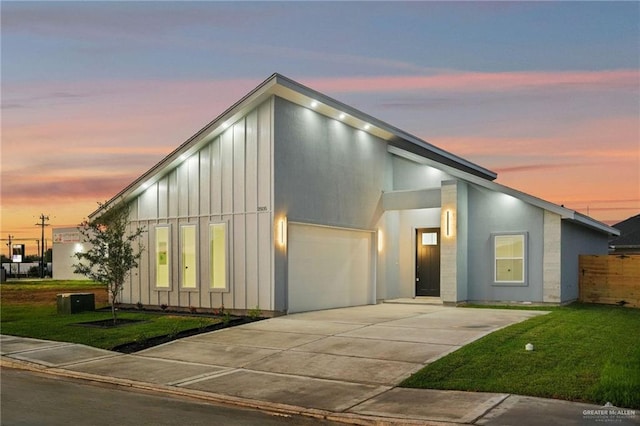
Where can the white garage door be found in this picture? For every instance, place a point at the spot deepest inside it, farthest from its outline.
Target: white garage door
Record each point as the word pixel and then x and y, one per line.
pixel 329 268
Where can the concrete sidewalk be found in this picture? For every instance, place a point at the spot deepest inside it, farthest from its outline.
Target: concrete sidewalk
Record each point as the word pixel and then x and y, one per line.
pixel 340 364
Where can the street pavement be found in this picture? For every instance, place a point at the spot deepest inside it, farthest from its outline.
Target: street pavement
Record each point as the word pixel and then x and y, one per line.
pixel 30 398
pixel 340 365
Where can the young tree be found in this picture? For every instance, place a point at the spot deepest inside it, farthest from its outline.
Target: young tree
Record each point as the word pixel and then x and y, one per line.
pixel 111 255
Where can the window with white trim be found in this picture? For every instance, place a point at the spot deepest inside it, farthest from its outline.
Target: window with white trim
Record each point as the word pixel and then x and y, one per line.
pixel 189 276
pixel 509 258
pixel 218 256
pixel 163 258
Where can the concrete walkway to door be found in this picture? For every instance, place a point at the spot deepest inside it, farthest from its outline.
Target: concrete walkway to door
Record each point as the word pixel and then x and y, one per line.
pixel 340 362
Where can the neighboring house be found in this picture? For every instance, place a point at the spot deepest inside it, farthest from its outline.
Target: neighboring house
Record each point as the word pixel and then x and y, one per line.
pixel 292 201
pixel 66 242
pixel 628 242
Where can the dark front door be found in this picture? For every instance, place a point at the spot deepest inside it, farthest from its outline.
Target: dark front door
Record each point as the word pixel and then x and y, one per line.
pixel 428 262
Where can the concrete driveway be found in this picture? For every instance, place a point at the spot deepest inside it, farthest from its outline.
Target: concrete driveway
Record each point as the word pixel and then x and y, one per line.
pixel 341 360
pixel 330 360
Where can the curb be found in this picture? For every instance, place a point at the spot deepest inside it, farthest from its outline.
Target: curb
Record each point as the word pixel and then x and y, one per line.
pixel 272 407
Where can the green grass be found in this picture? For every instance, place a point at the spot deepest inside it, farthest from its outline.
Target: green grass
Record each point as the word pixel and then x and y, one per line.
pixel 30 285
pixel 582 352
pixel 43 322
pixel 29 310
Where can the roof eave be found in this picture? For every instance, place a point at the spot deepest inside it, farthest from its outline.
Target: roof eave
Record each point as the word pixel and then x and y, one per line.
pixel 391 131
pixel 210 131
pixel 282 86
pixel 594 224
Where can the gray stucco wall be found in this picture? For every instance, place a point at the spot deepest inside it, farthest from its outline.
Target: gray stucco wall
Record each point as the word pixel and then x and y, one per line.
pixel 325 172
pixel 491 212
pixel 410 175
pixel 577 240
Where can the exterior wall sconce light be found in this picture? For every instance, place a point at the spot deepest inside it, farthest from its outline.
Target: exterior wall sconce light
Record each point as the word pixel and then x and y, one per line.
pixel 447 229
pixel 282 232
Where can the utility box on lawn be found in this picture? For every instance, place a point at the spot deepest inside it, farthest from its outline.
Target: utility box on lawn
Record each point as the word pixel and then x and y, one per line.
pixel 73 303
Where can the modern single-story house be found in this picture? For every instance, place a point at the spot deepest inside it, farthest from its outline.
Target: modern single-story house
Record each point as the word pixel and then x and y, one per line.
pixel 292 201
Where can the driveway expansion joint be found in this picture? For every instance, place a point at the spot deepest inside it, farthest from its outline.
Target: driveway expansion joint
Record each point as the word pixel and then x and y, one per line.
pixel 328 379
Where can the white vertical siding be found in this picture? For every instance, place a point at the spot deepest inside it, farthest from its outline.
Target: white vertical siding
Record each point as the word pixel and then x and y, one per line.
pixel 265 156
pixel 148 203
pixel 238 178
pixel 265 261
pixel 251 256
pixel 194 184
pixel 163 197
pixel 228 180
pixel 173 194
pixel 251 163
pixel 182 189
pixel 239 290
pixel 226 165
pixel 205 180
pixel 215 184
pixel 227 298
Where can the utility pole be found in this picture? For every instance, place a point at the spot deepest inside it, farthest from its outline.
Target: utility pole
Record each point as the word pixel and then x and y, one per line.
pixel 38 243
pixel 8 258
pixel 42 224
pixel 9 244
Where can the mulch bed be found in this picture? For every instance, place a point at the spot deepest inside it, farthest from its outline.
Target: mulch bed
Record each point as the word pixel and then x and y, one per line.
pixel 109 323
pixel 46 296
pixel 131 347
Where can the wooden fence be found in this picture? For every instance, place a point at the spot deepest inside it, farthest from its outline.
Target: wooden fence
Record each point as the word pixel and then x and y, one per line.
pixel 610 279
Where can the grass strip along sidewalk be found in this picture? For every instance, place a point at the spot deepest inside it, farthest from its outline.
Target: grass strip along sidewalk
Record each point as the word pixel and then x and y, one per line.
pixel 587 353
pixel 29 310
pixel 582 352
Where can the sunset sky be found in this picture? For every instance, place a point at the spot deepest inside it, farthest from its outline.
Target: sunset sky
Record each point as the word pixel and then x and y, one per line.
pixel 546 94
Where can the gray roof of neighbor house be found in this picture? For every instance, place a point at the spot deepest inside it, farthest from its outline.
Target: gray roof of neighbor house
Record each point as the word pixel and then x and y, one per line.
pixel 629 233
pixel 398 141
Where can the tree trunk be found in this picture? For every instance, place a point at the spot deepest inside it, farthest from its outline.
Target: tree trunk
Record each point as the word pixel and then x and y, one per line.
pixel 113 306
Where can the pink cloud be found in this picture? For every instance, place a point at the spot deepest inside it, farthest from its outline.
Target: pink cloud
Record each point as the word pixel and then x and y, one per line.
pixel 54 189
pixel 592 166
pixel 109 132
pixel 479 82
pixel 615 137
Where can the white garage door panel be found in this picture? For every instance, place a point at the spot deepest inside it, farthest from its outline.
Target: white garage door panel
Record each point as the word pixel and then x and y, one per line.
pixel 328 268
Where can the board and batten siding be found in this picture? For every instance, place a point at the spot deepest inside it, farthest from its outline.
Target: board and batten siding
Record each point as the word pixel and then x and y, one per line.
pixel 228 180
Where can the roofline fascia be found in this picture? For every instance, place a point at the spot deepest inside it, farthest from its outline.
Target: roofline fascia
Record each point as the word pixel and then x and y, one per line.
pixel 564 212
pixel 206 131
pixel 333 103
pixel 269 87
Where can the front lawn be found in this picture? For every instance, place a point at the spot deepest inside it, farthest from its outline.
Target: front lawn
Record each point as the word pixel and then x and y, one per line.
pixel 582 352
pixel 29 310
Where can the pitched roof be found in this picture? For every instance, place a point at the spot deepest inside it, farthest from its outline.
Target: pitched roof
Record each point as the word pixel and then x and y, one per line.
pixel 295 92
pixel 397 140
pixel 629 233
pixel 565 213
